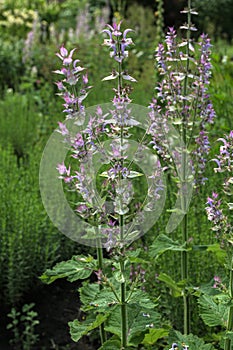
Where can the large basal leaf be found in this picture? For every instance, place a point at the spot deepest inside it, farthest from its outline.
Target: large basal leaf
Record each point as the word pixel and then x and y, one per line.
pixel 113 324
pixel 214 310
pixel 87 294
pixel 105 298
pixel 141 323
pixel 79 267
pixel 164 243
pixel 140 320
pixel 92 296
pixel 191 340
pixel 155 334
pixel 79 329
pixel 176 289
pixel 142 299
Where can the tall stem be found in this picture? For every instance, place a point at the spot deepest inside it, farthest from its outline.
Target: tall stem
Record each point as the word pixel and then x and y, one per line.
pixel 103 336
pixel 228 343
pixel 124 316
pixel 184 254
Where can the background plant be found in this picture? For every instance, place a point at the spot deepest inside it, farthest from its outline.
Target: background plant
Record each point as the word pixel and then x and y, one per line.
pixel 219 301
pixel 23 326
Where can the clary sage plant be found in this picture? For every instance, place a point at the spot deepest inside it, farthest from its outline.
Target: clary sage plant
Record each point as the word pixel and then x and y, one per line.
pixel 101 143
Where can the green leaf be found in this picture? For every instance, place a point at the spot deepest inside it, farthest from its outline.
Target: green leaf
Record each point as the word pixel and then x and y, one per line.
pixel 175 288
pixel 79 329
pixel 230 205
pixel 155 334
pixel 213 310
pixel 134 174
pixel 79 267
pixel 142 299
pixel 119 276
pixel 229 335
pixel 105 298
pixel 191 340
pixel 218 251
pixel 111 344
pixel 162 244
pixel 133 253
pixel 88 293
pixel 140 320
pixel 113 324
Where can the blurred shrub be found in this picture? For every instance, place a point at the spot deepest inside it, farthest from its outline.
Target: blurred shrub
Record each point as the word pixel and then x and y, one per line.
pixel 215 17
pixel 29 241
pixel 221 88
pixel 16 22
pixel 19 122
pixel 11 67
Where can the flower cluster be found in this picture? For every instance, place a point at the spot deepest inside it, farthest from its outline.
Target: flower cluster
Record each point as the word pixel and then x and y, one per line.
pixel 71 72
pixel 118 44
pixel 220 222
pixel 224 160
pixel 182 96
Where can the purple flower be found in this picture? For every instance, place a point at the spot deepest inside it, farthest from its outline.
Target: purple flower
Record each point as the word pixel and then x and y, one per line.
pixel 215 215
pixel 63 129
pixel 65 56
pixel 217 282
pixel 85 79
pixel 117 42
pixel 82 208
pixel 64 172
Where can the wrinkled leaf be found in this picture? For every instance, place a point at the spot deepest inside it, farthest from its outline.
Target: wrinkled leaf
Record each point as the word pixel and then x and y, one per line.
pixel 140 320
pixel 155 334
pixel 142 299
pixel 111 344
pixel 88 294
pixel 213 310
pixel 191 340
pixel 162 244
pixel 79 267
pixel 79 329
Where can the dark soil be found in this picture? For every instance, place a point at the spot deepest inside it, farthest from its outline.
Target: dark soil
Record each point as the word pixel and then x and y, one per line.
pixel 56 305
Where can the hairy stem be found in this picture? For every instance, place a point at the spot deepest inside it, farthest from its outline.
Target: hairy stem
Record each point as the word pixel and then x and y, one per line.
pixel 228 343
pixel 103 336
pixel 124 316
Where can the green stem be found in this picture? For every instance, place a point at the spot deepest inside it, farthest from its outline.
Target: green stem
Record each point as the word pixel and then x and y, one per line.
pixel 184 276
pixel 124 316
pixel 228 343
pixel 103 336
pixel 184 254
